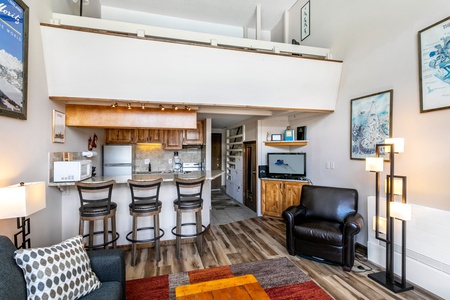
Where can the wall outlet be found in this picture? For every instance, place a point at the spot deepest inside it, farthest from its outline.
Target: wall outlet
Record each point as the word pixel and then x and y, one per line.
pixel 170 161
pixel 147 161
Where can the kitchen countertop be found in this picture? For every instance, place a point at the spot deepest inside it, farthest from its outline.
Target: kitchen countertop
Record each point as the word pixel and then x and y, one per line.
pixel 210 175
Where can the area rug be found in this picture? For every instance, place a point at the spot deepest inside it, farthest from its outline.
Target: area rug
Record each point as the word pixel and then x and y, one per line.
pixel 220 201
pixel 280 278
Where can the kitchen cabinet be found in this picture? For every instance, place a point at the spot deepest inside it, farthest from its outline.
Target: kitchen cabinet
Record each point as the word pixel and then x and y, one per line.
pixel 277 195
pixel 148 136
pixel 194 136
pixel 172 139
pixel 119 136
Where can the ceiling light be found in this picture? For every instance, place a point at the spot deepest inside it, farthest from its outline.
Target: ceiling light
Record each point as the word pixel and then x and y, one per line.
pixel 175 107
pixel 129 106
pixel 114 105
pixel 162 107
pixel 142 105
pixel 187 107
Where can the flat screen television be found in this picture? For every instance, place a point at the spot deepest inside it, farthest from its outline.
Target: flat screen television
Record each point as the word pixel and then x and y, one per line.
pixel 286 165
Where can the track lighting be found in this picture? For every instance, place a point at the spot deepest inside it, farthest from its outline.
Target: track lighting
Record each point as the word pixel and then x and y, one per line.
pixel 162 107
pixel 187 107
pixel 142 105
pixel 114 105
pixel 129 106
pixel 175 107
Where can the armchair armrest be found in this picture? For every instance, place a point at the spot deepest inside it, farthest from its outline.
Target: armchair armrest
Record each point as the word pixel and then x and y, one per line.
pixel 109 265
pixel 353 224
pixel 291 215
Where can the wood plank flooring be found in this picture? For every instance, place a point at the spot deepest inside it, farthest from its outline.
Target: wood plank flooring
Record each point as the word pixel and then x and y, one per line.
pixel 258 239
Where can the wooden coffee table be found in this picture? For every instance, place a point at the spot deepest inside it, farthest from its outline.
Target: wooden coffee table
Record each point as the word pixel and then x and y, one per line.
pixel 239 287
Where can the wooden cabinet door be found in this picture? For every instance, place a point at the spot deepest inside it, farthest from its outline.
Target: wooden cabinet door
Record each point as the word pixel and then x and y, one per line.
pixel 154 136
pixel 271 196
pixel 172 140
pixel 194 136
pixel 292 191
pixel 119 136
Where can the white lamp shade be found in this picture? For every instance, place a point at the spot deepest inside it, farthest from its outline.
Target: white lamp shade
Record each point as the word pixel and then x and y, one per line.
pixel 400 211
pixel 374 164
pixel 399 144
pixel 381 224
pixel 398 186
pixel 22 200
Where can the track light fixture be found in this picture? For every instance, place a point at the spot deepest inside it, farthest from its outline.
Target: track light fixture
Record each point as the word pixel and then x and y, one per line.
pixel 114 105
pixel 143 105
pixel 187 107
pixel 161 107
pixel 175 107
pixel 129 105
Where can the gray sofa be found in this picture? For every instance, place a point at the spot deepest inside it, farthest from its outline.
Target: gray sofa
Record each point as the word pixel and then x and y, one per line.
pixel 108 265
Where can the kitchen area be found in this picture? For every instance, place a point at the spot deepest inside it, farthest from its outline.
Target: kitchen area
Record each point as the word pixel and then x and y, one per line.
pixel 137 159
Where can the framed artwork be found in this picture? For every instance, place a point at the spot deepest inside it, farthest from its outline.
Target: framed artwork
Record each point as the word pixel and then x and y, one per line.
pixel 277 137
pixel 13 59
pixel 305 20
pixel 371 123
pixel 301 133
pixel 58 127
pixel 434 57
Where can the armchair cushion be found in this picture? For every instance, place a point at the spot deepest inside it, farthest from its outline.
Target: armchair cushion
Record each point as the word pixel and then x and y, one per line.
pixel 58 271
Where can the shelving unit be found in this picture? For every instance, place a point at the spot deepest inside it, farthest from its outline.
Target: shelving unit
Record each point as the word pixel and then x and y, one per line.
pixel 234 163
pixel 287 143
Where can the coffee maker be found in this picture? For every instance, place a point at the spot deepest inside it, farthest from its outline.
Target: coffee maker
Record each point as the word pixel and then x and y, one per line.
pixel 177 165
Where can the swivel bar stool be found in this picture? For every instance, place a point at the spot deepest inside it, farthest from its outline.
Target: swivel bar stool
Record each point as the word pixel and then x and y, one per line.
pixel 145 202
pixel 189 199
pixel 96 205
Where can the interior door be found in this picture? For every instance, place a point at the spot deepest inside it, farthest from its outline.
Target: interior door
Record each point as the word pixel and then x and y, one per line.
pixel 216 159
pixel 250 194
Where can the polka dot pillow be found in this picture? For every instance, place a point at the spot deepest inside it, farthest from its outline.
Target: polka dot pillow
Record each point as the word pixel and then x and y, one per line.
pixel 61 271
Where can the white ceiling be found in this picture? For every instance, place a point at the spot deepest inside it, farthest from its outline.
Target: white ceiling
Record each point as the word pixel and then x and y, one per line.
pixel 239 13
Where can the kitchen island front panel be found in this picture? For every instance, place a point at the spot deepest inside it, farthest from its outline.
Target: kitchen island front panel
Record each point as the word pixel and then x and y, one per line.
pixel 122 196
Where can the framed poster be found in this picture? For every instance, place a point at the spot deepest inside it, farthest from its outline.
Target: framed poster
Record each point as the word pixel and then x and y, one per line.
pixel 301 133
pixel 58 127
pixel 434 57
pixel 13 59
pixel 305 20
pixel 371 123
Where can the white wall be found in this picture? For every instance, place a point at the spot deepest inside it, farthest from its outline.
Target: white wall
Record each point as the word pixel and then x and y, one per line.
pixel 25 143
pixel 377 40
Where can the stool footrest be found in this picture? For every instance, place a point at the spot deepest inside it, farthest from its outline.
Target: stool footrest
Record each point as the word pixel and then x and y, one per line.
pixel 146 240
pixel 103 245
pixel 188 235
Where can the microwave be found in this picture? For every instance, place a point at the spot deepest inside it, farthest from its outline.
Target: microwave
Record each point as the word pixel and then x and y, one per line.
pixel 74 170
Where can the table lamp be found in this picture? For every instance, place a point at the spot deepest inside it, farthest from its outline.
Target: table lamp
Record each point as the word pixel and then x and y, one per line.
pixel 20 201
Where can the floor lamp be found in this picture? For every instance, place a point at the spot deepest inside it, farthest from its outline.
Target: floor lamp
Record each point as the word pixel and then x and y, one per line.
pixel 20 201
pixel 395 185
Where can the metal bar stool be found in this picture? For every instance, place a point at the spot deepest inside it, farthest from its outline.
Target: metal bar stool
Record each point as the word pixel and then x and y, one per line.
pixel 189 199
pixel 145 202
pixel 96 205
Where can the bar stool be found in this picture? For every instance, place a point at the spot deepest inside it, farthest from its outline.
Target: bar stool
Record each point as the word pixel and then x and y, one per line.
pixel 145 202
pixel 96 205
pixel 189 199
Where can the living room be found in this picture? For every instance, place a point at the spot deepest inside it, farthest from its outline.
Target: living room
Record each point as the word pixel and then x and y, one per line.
pixel 378 44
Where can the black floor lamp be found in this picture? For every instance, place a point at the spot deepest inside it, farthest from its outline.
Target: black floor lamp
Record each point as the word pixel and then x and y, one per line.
pixel 395 185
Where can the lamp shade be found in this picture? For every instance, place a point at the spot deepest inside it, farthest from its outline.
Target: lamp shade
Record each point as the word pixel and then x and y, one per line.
pixel 398 186
pixel 399 144
pixel 400 211
pixel 22 200
pixel 374 164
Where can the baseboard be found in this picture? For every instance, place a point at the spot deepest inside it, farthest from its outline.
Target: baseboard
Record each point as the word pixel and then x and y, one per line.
pixel 361 249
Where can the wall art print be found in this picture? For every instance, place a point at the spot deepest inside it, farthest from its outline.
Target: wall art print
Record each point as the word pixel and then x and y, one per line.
pixel 371 123
pixel 305 28
pixel 13 58
pixel 434 57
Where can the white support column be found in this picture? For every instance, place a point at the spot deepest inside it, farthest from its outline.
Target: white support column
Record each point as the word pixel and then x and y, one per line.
pixel 258 22
pixel 286 27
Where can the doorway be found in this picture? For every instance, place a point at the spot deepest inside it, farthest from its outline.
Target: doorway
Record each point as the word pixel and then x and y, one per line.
pixel 216 159
pixel 250 194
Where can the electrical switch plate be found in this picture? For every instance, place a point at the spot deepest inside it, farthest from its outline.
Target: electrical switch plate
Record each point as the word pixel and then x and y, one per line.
pixel 147 161
pixel 170 161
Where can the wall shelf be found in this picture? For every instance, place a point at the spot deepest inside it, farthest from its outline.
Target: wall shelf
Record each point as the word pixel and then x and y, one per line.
pixel 287 143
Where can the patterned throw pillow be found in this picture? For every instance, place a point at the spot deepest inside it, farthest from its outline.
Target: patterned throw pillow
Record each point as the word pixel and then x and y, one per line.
pixel 61 271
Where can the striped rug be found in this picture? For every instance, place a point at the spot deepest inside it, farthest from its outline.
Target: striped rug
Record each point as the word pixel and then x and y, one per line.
pixel 280 278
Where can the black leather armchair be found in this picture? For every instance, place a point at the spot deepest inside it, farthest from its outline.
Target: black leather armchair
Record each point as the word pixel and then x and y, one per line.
pixel 324 225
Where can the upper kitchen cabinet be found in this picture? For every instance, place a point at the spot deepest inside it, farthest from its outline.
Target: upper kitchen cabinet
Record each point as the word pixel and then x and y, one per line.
pixel 195 136
pixel 172 139
pixel 149 136
pixel 119 136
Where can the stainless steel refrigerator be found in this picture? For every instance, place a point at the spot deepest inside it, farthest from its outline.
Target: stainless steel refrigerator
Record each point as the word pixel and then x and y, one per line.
pixel 117 160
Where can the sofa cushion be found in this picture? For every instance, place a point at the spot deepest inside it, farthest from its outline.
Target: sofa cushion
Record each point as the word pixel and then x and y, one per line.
pixel 61 271
pixel 323 232
pixel 12 284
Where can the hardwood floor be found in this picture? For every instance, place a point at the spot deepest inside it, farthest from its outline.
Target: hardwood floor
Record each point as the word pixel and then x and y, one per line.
pixel 259 239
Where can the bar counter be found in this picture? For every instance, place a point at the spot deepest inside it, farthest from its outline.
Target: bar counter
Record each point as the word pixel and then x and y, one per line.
pixel 121 195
